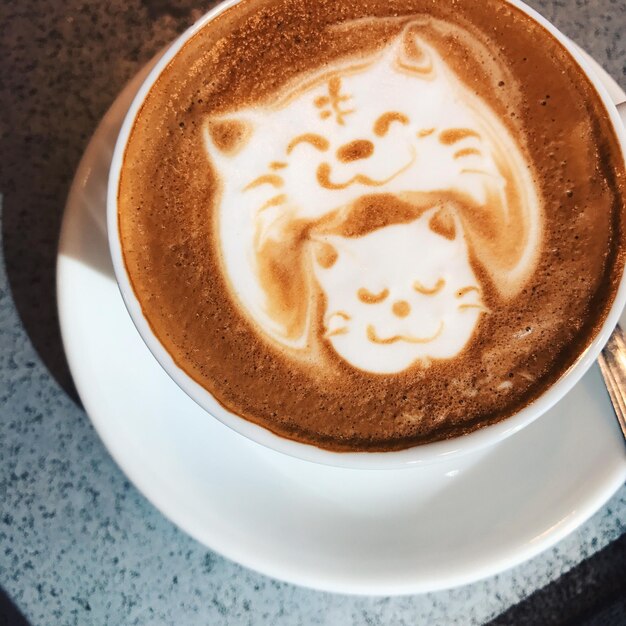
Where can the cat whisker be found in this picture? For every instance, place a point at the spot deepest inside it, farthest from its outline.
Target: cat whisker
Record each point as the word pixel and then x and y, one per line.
pixel 341 330
pixel 465 152
pixel 341 314
pixel 464 290
pixel 337 331
pixel 478 305
pixel 267 179
pixel 481 172
pixel 275 201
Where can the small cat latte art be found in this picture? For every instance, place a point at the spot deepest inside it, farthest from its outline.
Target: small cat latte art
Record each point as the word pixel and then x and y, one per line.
pixel 366 186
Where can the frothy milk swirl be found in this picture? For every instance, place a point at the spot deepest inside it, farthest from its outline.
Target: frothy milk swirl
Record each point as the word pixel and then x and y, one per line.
pixel 367 186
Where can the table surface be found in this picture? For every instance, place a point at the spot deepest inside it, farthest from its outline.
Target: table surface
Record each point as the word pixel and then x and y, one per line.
pixel 78 543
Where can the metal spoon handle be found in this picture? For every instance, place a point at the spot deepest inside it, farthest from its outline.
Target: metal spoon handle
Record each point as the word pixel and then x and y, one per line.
pixel 612 361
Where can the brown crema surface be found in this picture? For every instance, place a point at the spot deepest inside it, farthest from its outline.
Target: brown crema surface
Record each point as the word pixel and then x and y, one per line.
pixel 168 193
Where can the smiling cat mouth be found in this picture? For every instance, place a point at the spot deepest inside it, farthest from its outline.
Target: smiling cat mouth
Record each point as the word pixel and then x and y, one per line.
pixel 324 171
pixel 373 337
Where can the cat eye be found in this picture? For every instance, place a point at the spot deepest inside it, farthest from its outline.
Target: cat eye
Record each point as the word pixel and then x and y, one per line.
pixel 442 224
pixel 317 141
pixel 382 124
pixel 371 298
pixel 325 254
pixel 229 136
pixel 429 291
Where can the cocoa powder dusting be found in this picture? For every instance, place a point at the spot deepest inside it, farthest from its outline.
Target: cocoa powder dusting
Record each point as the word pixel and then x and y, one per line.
pixel 168 193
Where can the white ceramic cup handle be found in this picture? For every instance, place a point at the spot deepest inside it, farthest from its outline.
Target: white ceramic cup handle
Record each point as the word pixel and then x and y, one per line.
pixel 621 109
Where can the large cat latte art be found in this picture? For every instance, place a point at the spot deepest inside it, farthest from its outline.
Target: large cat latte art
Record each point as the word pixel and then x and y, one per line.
pixel 368 185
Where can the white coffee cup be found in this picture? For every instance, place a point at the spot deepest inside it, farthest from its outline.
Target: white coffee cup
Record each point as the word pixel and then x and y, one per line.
pixel 476 440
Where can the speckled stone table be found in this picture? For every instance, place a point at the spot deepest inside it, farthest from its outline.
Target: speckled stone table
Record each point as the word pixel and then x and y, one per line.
pixel 78 543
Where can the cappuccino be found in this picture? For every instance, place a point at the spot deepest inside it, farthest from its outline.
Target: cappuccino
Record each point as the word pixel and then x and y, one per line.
pixel 367 226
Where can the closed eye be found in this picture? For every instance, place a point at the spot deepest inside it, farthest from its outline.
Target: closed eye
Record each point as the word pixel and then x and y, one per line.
pixel 371 298
pixel 267 179
pixel 382 124
pixel 454 135
pixel 429 291
pixel 317 141
pixel 466 152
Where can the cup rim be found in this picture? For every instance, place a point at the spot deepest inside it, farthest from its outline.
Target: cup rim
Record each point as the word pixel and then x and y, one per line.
pixel 410 457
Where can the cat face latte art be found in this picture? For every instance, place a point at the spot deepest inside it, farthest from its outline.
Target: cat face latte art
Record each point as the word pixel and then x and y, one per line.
pixel 367 226
pixel 372 190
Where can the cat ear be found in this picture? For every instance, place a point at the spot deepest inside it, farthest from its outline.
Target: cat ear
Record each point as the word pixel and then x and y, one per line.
pixel 227 136
pixel 283 267
pixel 505 230
pixel 412 55
pixel 443 223
pixel 324 253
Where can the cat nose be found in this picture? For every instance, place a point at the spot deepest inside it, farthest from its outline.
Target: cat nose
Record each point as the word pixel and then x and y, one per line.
pixel 401 308
pixel 355 150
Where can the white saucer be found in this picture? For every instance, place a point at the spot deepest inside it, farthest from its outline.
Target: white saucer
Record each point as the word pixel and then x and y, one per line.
pixel 353 531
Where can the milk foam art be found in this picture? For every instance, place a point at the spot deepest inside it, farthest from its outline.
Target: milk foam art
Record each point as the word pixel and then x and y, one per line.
pixel 364 190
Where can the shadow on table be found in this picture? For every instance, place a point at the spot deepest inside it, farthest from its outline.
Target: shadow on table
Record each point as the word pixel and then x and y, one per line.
pixel 591 594
pixel 61 76
pixel 29 238
pixel 9 613
pixel 39 148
